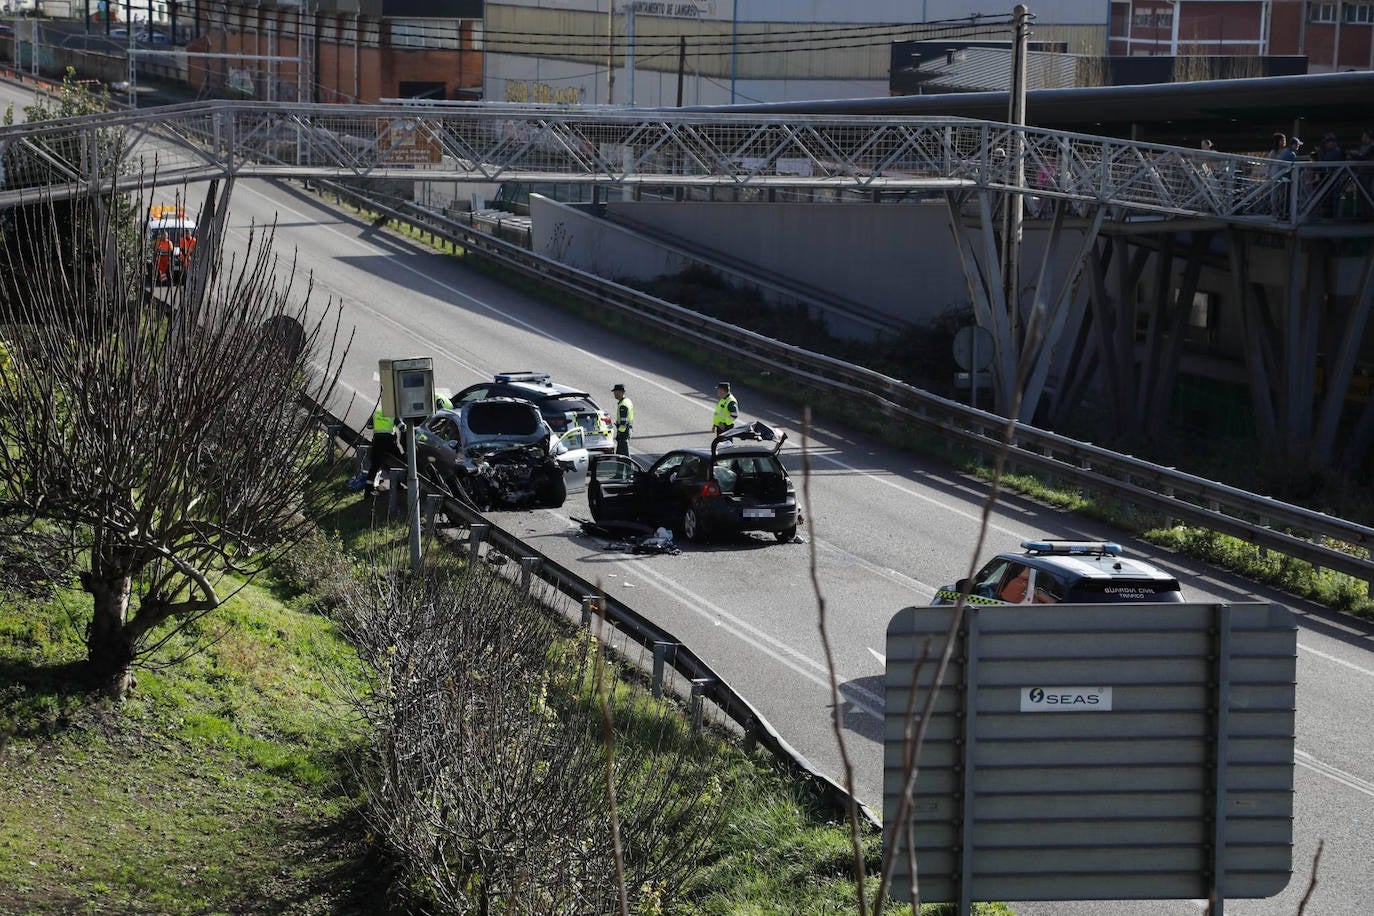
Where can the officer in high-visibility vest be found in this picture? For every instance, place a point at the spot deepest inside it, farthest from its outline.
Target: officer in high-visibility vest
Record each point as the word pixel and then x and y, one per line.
pixel 624 420
pixel 727 409
pixel 162 261
pixel 383 449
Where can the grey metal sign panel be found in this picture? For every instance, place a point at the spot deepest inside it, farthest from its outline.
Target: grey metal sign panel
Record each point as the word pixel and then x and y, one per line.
pixel 1177 782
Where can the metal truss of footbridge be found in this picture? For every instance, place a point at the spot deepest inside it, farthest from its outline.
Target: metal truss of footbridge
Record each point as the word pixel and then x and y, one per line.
pixel 626 148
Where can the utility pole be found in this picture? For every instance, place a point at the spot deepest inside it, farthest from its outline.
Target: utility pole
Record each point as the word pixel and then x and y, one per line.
pixel 610 52
pixel 681 65
pixel 1015 209
pixel 630 53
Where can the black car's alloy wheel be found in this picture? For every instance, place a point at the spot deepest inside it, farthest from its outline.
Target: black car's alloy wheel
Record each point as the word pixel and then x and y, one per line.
pixel 691 525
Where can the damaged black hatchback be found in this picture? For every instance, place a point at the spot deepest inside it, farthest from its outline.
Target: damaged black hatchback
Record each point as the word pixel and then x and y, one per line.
pixel 496 453
pixel 736 485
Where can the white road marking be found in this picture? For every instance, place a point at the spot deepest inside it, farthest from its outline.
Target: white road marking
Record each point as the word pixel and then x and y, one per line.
pixel 1364 786
pixel 882 659
pixel 1339 661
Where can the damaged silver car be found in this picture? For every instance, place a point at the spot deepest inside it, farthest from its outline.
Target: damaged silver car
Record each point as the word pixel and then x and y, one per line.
pixel 496 453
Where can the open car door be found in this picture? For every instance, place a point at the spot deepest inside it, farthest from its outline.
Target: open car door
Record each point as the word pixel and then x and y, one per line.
pixel 615 488
pixel 570 450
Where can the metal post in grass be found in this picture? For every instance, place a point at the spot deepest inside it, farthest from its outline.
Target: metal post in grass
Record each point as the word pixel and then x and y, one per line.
pixel 661 650
pixel 528 567
pixel 696 702
pixel 591 604
pixel 432 503
pixel 476 535
pixel 394 476
pixel 331 436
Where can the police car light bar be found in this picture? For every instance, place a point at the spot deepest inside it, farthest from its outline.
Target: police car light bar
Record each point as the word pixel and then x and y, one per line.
pixel 1072 547
pixel 523 375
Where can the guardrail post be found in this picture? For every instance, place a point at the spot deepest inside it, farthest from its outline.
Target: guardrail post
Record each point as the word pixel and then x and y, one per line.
pixel 695 703
pixel 1264 551
pixel 362 457
pixel 432 503
pixel 1169 494
pixel 528 567
pixel 331 435
pixel 591 604
pixel 476 535
pixel 394 476
pixel 660 656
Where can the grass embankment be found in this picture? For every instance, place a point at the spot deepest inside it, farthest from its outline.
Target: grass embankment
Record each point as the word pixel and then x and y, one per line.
pixel 226 783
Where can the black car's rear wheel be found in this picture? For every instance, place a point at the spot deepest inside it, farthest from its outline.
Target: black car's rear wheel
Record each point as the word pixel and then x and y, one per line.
pixel 691 525
pixel 786 535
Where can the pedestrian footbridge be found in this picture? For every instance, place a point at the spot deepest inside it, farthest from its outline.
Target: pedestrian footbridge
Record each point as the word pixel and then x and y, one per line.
pixel 628 149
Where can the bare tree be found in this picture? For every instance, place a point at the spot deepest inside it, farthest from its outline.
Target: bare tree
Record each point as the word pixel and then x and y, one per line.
pixel 493 778
pixel 164 448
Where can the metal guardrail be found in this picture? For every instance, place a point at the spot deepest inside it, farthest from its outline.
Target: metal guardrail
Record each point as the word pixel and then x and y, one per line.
pixel 667 649
pixel 1323 540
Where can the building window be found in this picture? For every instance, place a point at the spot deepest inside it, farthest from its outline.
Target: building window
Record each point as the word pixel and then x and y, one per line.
pixel 1321 12
pixel 1202 318
pixel 1164 19
pixel 1358 13
pixel 1144 18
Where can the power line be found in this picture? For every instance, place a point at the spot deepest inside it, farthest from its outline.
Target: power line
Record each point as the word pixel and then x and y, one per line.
pixel 821 39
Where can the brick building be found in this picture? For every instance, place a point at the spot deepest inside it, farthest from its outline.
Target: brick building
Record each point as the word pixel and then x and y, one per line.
pixel 336 50
pixel 1333 34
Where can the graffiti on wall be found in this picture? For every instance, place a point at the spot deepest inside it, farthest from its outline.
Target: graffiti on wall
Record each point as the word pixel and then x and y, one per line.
pixel 543 93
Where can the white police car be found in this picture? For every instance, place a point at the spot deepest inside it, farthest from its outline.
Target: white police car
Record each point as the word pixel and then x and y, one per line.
pixel 1065 572
pixel 570 413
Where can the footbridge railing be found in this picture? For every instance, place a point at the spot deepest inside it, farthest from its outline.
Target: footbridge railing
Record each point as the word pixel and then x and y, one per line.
pixel 622 148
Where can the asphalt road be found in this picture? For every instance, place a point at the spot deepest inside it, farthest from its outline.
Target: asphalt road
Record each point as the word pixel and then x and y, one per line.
pixel 886 528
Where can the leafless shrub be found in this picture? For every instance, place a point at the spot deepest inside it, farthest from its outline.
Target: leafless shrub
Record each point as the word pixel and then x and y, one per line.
pixel 490 770
pixel 163 450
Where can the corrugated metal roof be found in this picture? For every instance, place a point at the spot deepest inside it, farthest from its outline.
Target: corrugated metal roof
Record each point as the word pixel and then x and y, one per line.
pixel 1238 114
pixel 989 70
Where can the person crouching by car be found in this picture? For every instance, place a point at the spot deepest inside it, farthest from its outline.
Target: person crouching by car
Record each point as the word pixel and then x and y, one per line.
pixel 385 447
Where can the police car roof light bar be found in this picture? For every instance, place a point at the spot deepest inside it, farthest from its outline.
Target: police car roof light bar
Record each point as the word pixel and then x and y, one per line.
pixel 523 375
pixel 1051 545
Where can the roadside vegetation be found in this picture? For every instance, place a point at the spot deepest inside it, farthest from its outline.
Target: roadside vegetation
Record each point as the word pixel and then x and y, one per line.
pixel 271 758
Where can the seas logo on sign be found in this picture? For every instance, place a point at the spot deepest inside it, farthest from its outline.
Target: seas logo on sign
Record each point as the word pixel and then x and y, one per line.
pixel 1066 699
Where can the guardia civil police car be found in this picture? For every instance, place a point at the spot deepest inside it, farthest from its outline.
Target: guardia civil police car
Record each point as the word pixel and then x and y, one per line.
pixel 1065 572
pixel 570 413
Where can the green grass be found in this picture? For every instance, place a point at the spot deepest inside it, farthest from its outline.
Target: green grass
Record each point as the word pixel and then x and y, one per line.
pixel 223 784
pixel 219 786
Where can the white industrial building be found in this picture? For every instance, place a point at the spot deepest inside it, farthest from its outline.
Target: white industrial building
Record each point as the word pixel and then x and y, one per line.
pixel 721 52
